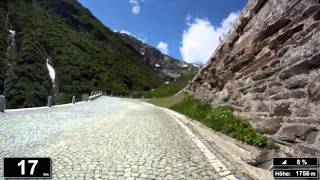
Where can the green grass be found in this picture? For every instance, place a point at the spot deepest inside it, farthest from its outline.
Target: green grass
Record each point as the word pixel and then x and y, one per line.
pixel 167 90
pixel 167 102
pixel 223 120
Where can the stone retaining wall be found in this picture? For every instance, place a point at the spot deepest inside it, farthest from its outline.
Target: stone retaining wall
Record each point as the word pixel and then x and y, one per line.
pixel 268 70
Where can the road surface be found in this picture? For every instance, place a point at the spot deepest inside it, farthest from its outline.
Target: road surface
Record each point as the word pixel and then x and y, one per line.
pixel 109 138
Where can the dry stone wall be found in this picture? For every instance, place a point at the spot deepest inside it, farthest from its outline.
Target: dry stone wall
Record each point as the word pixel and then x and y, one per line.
pixel 268 70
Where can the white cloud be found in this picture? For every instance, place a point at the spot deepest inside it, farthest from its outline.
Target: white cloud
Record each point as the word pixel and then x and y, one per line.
pixel 201 38
pixel 136 9
pixel 163 47
pixel 135 6
pixel 188 18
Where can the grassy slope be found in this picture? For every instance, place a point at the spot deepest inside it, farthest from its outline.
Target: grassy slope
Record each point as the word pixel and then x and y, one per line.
pixel 220 119
pixel 85 55
pixel 223 120
pixel 167 102
pixel 166 90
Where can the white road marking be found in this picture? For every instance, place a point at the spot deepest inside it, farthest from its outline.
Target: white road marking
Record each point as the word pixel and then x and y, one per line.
pixel 39 108
pixel 214 161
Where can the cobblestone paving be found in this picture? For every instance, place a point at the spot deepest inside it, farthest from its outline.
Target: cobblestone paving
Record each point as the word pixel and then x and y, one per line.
pixel 109 138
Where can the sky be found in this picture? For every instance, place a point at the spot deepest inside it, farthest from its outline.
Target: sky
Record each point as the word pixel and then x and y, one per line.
pixel 188 30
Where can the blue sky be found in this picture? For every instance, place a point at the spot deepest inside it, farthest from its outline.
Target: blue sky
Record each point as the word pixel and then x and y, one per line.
pixel 185 29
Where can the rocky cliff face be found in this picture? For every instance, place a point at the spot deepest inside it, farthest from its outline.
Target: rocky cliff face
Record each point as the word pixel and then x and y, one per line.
pixel 167 66
pixel 268 70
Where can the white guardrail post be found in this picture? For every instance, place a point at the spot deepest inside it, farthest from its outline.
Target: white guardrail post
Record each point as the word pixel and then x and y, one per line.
pixel 2 103
pixel 50 101
pixel 85 97
pixel 73 100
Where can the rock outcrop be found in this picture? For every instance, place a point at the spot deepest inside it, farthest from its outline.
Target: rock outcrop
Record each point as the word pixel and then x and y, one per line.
pixel 268 70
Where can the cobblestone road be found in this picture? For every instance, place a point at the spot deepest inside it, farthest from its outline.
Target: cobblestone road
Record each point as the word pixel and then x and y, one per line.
pixel 109 138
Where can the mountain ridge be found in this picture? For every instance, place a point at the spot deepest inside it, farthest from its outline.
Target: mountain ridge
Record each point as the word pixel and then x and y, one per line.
pixel 85 54
pixel 169 67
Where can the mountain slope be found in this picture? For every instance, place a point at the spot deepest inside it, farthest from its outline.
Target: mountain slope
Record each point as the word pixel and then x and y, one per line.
pixel 168 67
pixel 3 45
pixel 267 69
pixel 84 53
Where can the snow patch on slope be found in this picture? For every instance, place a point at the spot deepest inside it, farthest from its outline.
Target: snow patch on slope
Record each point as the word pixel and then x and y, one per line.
pixel 52 72
pixel 12 33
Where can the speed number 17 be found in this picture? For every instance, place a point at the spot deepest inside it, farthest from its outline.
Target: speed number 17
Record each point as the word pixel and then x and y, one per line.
pixel 22 165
